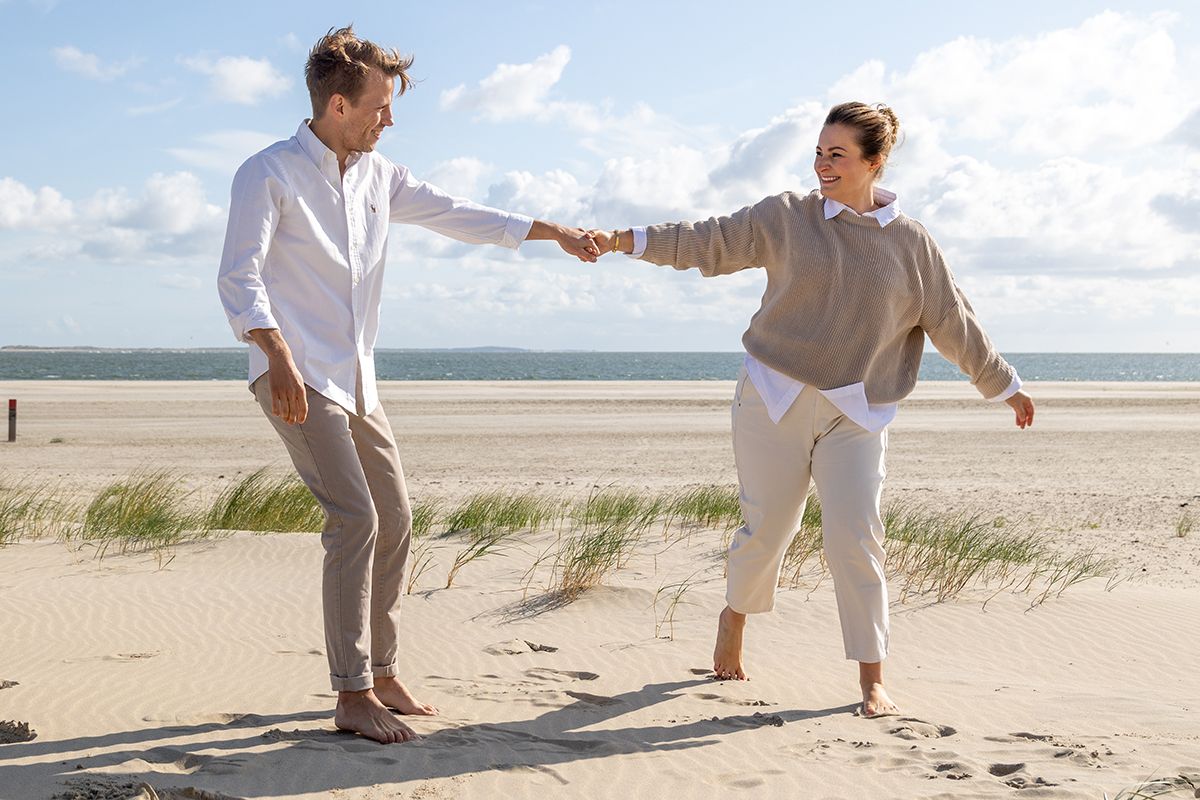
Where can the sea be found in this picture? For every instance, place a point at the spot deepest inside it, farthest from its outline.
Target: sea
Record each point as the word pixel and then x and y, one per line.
pixel 524 365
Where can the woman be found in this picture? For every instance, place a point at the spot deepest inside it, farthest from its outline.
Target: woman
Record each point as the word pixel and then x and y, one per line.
pixel 853 288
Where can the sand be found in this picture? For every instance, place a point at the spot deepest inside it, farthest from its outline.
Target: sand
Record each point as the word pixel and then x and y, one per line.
pixel 204 670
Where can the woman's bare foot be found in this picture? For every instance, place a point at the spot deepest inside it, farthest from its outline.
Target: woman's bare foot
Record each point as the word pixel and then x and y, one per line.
pixel 727 655
pixel 395 695
pixel 361 712
pixel 875 700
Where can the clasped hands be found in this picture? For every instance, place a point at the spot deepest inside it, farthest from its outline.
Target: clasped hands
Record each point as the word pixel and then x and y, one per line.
pixel 586 245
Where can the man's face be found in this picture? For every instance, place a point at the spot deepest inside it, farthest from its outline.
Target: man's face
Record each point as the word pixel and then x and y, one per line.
pixel 365 119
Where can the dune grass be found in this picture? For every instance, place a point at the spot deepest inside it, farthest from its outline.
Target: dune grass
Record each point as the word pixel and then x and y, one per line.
pixel 931 555
pixel 510 512
pixel 672 596
pixel 1177 786
pixel 941 554
pixel 613 509
pixel 479 545
pixel 27 511
pixel 707 507
pixel 1184 525
pixel 610 523
pixel 262 502
pixel 425 515
pixel 140 513
pixel 584 560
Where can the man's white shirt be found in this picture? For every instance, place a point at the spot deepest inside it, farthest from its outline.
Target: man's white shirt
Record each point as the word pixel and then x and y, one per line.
pixel 780 391
pixel 305 251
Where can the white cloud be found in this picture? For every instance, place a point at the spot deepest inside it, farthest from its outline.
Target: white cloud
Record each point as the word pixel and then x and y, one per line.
pixel 240 79
pixel 222 151
pixel 512 91
pixel 522 91
pixel 153 108
pixel 175 280
pixel 169 219
pixel 89 65
pixel 22 208
pixel 292 42
pixel 460 177
pixel 555 195
pixel 1108 84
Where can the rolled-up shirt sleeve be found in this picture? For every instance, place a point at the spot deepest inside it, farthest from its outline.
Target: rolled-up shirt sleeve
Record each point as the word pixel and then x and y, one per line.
pixel 416 202
pixel 254 208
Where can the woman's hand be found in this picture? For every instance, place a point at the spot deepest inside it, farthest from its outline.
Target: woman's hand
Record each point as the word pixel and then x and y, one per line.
pixel 1023 405
pixel 603 240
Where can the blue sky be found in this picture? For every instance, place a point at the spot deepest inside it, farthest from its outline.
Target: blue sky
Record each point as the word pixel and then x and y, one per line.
pixel 1053 149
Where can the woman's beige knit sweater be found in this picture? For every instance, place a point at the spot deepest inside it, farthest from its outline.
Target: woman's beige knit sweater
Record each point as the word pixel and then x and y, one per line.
pixel 846 300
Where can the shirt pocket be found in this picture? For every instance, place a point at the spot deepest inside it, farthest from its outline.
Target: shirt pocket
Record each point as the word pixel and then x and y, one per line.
pixel 375 229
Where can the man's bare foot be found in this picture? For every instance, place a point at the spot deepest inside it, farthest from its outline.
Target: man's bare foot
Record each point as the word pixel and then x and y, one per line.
pixel 361 712
pixel 727 655
pixel 876 702
pixel 395 695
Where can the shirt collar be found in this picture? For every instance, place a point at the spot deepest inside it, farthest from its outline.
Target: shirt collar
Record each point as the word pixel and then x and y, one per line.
pixel 888 209
pixel 316 150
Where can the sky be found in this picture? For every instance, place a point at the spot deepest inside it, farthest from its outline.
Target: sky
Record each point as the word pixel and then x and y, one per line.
pixel 1052 149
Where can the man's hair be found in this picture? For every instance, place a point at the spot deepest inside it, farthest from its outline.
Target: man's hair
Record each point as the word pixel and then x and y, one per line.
pixel 340 62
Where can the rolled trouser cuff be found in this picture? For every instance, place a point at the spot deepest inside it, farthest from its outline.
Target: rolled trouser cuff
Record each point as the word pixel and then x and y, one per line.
pixel 358 683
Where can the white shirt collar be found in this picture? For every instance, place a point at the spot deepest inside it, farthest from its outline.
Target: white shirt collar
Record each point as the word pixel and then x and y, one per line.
pixel 316 150
pixel 888 209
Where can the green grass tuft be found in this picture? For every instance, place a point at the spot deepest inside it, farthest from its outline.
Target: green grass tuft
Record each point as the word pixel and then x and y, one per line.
pixel 260 502
pixel 487 512
pixel 142 512
pixel 708 507
pixel 584 560
pixel 27 512
pixel 424 516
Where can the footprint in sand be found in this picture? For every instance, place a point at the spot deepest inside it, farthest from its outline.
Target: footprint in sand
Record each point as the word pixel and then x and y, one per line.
pixel 13 731
pixel 755 720
pixel 720 698
pixel 1002 770
pixel 1021 782
pixel 953 770
pixel 313 652
pixel 915 729
pixel 559 675
pixel 114 657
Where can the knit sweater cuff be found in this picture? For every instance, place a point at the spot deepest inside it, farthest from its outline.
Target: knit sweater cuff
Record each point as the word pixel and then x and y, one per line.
pixel 661 241
pixel 996 377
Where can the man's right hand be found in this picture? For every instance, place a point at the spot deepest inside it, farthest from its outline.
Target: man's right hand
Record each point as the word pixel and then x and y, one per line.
pixel 288 399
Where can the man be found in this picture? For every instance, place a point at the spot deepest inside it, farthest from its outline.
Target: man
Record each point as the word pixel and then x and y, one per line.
pixel 300 279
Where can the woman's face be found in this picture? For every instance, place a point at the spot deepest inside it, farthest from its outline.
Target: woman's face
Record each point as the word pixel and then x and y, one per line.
pixel 843 173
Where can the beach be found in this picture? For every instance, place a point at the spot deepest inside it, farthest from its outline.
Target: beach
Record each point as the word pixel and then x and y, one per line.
pixel 203 670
